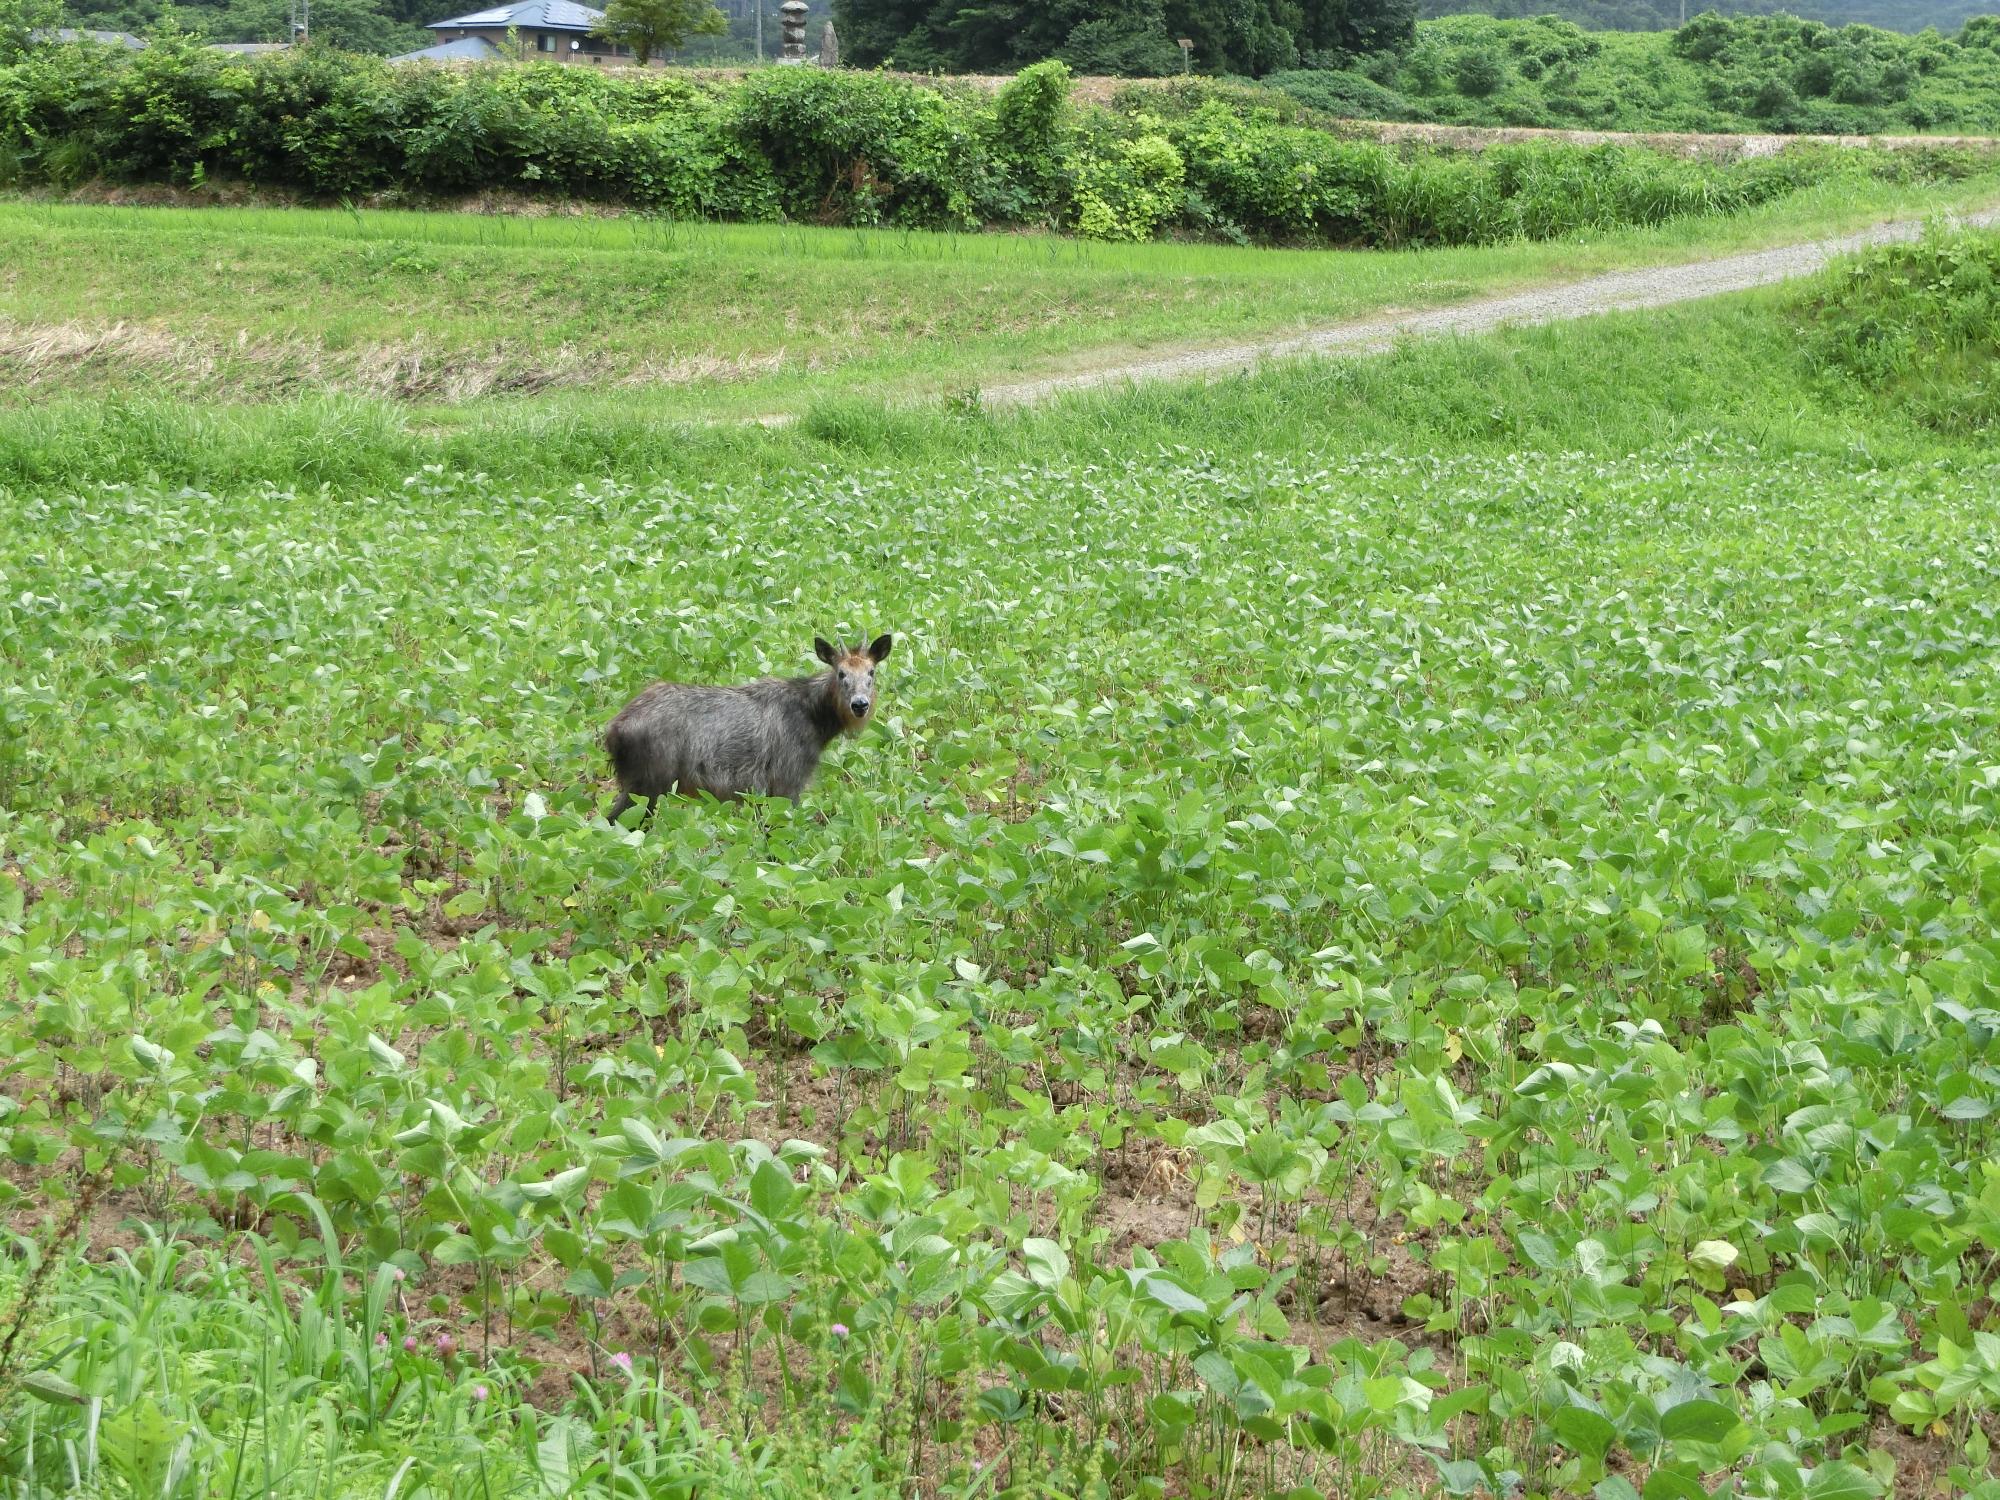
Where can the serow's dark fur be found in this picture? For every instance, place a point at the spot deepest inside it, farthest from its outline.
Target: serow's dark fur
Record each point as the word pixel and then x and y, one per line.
pixel 764 738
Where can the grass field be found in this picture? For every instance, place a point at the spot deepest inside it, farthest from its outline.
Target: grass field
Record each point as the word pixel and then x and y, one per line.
pixel 438 309
pixel 1422 925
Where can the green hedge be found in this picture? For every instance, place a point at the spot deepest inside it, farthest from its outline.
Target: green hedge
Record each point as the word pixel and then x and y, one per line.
pixel 804 145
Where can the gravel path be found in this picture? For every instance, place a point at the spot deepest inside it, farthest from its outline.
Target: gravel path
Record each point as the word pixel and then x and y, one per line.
pixel 1616 292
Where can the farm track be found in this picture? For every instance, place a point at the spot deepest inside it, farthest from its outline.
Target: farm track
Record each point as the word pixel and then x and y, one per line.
pixel 1617 291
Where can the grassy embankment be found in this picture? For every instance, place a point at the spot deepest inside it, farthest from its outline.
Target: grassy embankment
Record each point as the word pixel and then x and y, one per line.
pixel 245 306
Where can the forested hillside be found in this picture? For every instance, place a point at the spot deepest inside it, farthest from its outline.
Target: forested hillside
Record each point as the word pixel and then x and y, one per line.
pixel 1127 37
pixel 1909 16
pixel 1257 37
pixel 1755 73
pixel 393 25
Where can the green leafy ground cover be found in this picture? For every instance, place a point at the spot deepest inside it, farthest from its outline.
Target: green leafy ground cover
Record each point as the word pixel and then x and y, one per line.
pixel 1437 932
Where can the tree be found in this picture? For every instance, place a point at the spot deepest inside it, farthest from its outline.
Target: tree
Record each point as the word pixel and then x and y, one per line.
pixel 1355 28
pixel 352 25
pixel 1126 47
pixel 650 27
pixel 1123 36
pixel 1478 73
pixel 23 22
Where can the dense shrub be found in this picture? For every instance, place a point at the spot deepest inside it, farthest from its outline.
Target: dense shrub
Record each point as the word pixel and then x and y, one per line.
pixel 1919 324
pixel 327 120
pixel 1352 96
pixel 807 145
pixel 1177 98
pixel 1126 186
pixel 1026 136
pixel 1551 43
pixel 1716 74
pixel 856 148
pixel 1478 73
pixel 1279 181
pixel 1114 47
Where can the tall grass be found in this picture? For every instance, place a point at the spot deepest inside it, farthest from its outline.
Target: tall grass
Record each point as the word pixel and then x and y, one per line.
pixel 1919 325
pixel 249 1374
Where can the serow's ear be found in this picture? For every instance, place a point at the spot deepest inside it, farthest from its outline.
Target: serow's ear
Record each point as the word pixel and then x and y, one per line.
pixel 823 651
pixel 880 648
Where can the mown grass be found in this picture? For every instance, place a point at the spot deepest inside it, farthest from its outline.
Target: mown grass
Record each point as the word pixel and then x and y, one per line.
pixel 230 304
pixel 1425 922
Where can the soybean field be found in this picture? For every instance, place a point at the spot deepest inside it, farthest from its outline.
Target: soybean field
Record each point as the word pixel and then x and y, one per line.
pixel 1337 971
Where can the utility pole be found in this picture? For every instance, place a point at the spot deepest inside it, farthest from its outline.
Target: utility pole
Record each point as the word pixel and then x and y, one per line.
pixel 760 26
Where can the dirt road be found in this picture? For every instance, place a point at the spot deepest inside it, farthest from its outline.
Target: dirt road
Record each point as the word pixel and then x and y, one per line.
pixel 1616 292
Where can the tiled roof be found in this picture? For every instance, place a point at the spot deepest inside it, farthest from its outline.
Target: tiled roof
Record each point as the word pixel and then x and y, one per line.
pixel 107 38
pixel 537 15
pixel 464 49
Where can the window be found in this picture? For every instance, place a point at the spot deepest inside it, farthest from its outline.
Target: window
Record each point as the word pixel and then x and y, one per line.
pixel 544 42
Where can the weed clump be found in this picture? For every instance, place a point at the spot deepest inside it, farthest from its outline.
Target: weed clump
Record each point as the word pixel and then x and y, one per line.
pixel 1917 323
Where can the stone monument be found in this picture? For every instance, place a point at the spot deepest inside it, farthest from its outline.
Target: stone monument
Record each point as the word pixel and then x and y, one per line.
pixel 792 26
pixel 829 47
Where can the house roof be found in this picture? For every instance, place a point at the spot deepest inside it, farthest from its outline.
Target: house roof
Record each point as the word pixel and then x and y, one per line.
pixel 538 15
pixel 465 49
pixel 107 38
pixel 136 44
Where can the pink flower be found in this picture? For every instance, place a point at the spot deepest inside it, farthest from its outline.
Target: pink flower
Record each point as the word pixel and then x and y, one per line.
pixel 381 1341
pixel 410 1343
pixel 622 1361
pixel 479 1393
pixel 840 1330
pixel 396 1273
pixel 447 1346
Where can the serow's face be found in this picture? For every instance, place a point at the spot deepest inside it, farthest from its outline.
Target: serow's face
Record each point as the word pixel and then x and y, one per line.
pixel 854 676
pixel 854 681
